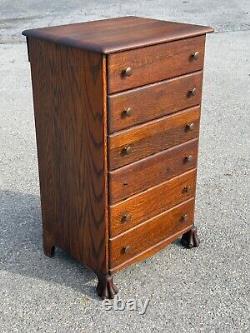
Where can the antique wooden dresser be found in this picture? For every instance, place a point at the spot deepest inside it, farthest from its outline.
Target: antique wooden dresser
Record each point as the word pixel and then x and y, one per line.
pixel 117 109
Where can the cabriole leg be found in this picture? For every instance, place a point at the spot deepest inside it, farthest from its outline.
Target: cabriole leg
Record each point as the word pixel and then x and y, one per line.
pixel 48 246
pixel 190 238
pixel 105 287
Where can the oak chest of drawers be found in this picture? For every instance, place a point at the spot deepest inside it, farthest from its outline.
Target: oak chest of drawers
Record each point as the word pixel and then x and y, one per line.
pixel 117 110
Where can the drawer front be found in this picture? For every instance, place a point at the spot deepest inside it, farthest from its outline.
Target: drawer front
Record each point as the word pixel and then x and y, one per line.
pixel 151 202
pixel 131 179
pixel 136 143
pixel 150 64
pixel 153 101
pixel 150 233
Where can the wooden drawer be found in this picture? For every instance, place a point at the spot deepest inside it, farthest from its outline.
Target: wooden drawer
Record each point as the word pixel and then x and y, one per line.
pixel 150 64
pixel 157 199
pixel 138 142
pixel 131 179
pixel 153 101
pixel 148 234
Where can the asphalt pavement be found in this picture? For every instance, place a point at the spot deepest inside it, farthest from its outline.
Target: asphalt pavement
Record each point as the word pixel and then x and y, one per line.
pixel 198 290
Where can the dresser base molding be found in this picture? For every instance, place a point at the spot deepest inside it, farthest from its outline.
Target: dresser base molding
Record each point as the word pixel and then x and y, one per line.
pixel 106 287
pixel 190 238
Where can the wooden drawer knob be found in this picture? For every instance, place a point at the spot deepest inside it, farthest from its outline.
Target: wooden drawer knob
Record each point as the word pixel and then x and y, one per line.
pixel 188 158
pixel 184 218
pixel 192 92
pixel 195 55
pixel 126 150
pixel 189 127
pixel 186 189
pixel 126 249
pixel 126 112
pixel 127 72
pixel 126 217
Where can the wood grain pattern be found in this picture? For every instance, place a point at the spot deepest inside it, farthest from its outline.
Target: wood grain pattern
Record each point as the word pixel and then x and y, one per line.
pixel 149 252
pixel 69 102
pixel 152 137
pixel 131 179
pixel 154 63
pixel 153 101
pixel 117 34
pixel 151 202
pixel 151 232
pixel 116 187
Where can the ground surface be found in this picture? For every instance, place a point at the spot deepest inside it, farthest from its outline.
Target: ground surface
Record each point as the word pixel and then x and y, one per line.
pixel 201 290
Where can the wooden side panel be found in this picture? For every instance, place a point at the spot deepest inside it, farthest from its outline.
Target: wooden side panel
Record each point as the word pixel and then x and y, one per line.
pixel 154 63
pixel 69 90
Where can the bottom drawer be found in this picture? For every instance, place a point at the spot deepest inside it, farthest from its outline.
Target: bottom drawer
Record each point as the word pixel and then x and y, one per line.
pixel 151 232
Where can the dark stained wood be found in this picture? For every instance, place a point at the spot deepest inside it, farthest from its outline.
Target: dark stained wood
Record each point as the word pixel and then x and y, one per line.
pixel 131 179
pixel 171 96
pixel 152 137
pixel 190 238
pixel 117 34
pixel 69 103
pixel 116 187
pixel 106 287
pixel 151 232
pixel 154 63
pixel 151 202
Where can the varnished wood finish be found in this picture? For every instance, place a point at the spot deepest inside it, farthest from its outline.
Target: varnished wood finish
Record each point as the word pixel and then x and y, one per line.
pixel 131 179
pixel 69 99
pixel 117 34
pixel 117 112
pixel 149 252
pixel 154 63
pixel 106 287
pixel 151 202
pixel 152 137
pixel 155 230
pixel 171 96
pixel 190 238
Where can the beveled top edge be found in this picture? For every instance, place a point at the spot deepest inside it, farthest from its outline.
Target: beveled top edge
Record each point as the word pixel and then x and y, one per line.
pixel 117 34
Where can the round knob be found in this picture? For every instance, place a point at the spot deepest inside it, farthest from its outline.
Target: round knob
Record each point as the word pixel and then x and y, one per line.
pixel 189 127
pixel 186 189
pixel 192 92
pixel 126 249
pixel 127 71
pixel 126 150
pixel 127 112
pixel 188 158
pixel 126 217
pixel 184 218
pixel 195 55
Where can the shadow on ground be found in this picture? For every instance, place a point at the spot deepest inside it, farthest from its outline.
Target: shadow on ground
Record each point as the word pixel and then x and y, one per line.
pixel 21 249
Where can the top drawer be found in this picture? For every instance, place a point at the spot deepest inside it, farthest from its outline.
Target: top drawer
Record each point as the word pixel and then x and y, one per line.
pixel 154 63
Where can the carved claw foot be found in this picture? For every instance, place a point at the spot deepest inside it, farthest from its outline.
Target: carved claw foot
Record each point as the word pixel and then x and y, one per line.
pixel 105 287
pixel 48 246
pixel 190 238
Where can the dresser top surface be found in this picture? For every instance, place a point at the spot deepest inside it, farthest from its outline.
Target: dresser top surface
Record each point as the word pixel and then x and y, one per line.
pixel 118 34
